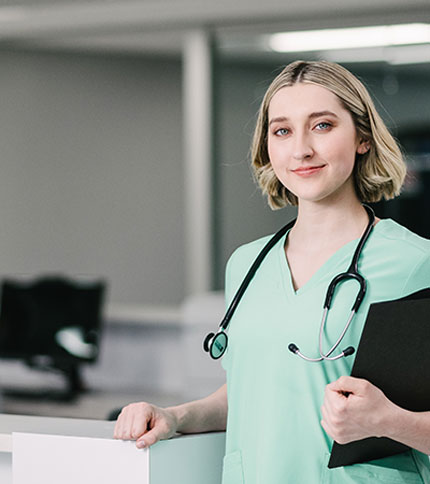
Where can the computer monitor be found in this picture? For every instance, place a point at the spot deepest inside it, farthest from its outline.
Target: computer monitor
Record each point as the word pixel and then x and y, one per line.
pixel 52 322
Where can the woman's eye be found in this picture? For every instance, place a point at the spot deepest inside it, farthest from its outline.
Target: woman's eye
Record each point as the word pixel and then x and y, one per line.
pixel 281 131
pixel 323 126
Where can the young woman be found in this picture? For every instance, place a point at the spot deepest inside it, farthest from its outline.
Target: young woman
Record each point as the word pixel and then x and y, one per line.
pixel 319 144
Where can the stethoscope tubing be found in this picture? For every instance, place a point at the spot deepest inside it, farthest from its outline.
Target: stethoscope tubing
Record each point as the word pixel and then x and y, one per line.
pixel 351 273
pixel 326 356
pixel 210 342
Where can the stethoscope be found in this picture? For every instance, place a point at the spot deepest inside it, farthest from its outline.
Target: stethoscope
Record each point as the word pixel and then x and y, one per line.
pixel 216 343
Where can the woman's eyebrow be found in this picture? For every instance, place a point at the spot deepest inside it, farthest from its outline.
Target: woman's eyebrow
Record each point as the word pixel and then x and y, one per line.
pixel 280 119
pixel 322 113
pixel 316 114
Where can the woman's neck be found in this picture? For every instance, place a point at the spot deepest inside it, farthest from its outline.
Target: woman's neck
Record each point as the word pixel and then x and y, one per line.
pixel 324 225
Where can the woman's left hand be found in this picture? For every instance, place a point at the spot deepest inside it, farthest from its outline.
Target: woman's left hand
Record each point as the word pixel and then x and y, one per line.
pixel 354 409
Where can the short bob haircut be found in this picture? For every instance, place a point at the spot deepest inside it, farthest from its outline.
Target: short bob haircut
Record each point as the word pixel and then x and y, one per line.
pixel 379 173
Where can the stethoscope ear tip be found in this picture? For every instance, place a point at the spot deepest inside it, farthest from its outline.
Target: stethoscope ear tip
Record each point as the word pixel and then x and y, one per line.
pixel 348 351
pixel 293 348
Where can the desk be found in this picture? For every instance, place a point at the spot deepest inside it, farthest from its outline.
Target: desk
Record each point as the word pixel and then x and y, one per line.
pixel 52 450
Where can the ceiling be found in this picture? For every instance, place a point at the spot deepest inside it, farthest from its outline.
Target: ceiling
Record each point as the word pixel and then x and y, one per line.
pixel 159 26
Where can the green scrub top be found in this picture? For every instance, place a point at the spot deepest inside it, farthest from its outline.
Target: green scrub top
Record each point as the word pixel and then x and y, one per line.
pixel 274 435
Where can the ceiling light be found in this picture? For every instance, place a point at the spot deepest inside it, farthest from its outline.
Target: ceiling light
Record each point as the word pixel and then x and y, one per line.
pixel 349 38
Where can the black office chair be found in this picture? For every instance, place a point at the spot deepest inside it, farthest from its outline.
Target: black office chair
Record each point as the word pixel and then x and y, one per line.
pixel 52 323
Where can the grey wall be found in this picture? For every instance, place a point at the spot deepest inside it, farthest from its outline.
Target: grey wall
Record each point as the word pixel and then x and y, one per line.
pixel 91 171
pixel 401 94
pixel 92 177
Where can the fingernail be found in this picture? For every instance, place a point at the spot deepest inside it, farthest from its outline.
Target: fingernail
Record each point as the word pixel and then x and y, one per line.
pixel 140 444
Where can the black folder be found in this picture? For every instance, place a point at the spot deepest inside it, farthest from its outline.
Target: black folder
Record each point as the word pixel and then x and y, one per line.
pixel 394 355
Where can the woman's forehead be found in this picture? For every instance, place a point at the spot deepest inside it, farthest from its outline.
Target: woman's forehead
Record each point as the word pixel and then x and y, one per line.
pixel 302 98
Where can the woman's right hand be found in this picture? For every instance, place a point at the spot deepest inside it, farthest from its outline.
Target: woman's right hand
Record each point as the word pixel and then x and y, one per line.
pixel 145 423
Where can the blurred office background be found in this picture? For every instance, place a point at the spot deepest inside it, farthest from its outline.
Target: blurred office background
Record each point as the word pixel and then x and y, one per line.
pixel 125 130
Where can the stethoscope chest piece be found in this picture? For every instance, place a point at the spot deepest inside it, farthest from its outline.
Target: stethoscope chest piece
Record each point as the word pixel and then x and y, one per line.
pixel 216 344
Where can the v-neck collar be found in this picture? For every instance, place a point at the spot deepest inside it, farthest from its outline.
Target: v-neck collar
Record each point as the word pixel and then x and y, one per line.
pixel 328 267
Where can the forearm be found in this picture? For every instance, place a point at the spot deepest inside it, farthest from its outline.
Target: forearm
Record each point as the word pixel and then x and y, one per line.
pixel 410 428
pixel 205 415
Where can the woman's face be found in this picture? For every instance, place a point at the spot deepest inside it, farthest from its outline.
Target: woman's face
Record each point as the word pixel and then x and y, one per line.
pixel 312 143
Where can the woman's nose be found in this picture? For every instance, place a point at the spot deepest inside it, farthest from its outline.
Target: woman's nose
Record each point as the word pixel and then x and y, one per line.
pixel 302 147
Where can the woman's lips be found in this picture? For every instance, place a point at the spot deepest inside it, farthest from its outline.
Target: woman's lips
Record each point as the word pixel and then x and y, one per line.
pixel 308 170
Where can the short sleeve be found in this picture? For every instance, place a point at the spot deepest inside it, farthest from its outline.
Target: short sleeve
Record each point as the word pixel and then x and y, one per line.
pixel 419 278
pixel 236 269
pixel 228 281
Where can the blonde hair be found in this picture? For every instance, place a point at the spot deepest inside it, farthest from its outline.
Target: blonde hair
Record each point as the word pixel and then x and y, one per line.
pixel 378 173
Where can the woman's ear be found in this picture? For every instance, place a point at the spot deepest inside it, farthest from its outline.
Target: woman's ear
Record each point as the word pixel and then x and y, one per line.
pixel 363 147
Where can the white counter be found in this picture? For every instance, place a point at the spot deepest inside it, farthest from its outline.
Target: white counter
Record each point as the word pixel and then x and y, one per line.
pixel 54 426
pixel 52 450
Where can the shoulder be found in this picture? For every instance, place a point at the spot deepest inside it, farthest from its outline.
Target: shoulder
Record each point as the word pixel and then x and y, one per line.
pixel 407 253
pixel 244 256
pixel 240 262
pixel 399 245
pixel 397 235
